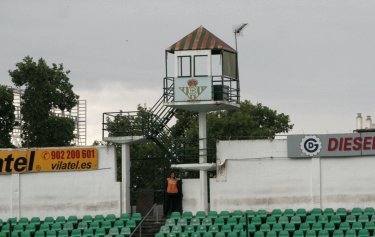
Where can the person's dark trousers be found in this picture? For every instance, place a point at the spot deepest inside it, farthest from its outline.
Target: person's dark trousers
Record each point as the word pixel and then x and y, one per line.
pixel 173 202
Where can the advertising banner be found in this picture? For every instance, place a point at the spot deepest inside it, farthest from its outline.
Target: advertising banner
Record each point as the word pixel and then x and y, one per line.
pixel 331 145
pixel 48 160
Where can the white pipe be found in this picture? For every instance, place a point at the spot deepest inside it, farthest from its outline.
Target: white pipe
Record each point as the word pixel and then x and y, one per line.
pixel 359 121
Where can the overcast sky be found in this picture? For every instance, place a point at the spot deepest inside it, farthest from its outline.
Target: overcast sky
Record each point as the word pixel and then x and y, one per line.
pixel 313 60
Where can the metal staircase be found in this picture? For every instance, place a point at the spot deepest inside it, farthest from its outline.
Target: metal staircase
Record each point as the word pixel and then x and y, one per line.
pixel 151 124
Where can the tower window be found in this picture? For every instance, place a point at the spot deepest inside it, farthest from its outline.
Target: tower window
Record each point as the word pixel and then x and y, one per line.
pixel 184 66
pixel 200 65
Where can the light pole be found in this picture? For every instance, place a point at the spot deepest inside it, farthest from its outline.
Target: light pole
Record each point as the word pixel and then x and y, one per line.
pixel 237 31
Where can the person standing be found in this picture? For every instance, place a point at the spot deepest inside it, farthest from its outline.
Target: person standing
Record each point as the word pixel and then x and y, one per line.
pixel 172 194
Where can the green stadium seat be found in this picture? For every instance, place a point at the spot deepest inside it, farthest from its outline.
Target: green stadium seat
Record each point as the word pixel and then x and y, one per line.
pixel 51 233
pixel 232 221
pixel 341 212
pixel 316 212
pixel 100 231
pixel 95 224
pixel 238 228
pixel 39 233
pixel 110 217
pixel 208 234
pixel 338 233
pixel 351 218
pixel 35 221
pixel 182 222
pixel 250 214
pixel 125 217
pixel 276 213
pixel 188 215
pixel 262 213
pixel 119 223
pixel 190 229
pixel 363 218
pixel 114 231
pixel 304 227
pixel 49 220
pixel 298 233
pixel 344 226
pixel 23 221
pixel 310 220
pixel 329 212
pixel 87 218
pixel 296 220
pixel 2 234
pixel 265 227
pixel 259 234
pixel 161 235
pixel 195 222
pixel 126 231
pixel 335 219
pixel 237 213
pixel 242 220
pixel 220 234
pixel 301 212
pixel 89 232
pixel 310 233
pixel 30 228
pixel 56 227
pixel 284 233
pixel 174 215
pixel 99 218
pixel 277 227
pixel 363 233
pixel 317 226
pixel 357 226
pixel 25 234
pixel 83 225
pixel 60 219
pixel 200 215
pixel 323 233
pixel 256 220
pixel 15 234
pixel 196 234
pixel 177 229
pixel 351 233
pixel 330 227
pixel 251 228
pixel 290 227
pixel 76 233
pixel 224 214
pixel 170 222
pixel 226 229
pixel 73 219
pixel 201 229
pixel 271 234
pixel 208 221
pixel 283 220
pixel 213 229
pixel 12 220
pixel 164 229
pixel 370 226
pixel 131 224
pixel 288 212
pixel 171 235
pixel 44 227
pixel 183 234
pixel 106 225
pixel 212 214
pixel 243 234
pixel 63 233
pixel 5 228
pixel 271 220
pixel 324 219
pixel 356 211
pixel 18 228
pixel 369 211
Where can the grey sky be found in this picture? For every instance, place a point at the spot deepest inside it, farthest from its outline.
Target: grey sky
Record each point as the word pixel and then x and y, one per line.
pixel 313 60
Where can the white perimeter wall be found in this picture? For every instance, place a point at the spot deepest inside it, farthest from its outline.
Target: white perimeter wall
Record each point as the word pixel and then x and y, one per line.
pixel 259 175
pixel 63 193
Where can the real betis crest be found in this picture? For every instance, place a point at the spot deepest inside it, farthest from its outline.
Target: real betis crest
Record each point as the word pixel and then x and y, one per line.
pixel 192 91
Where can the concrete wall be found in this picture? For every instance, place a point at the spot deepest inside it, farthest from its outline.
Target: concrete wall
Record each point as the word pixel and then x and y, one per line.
pixel 63 193
pixel 191 191
pixel 259 175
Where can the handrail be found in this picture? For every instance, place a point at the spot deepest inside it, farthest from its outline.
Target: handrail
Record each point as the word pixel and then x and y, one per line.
pixel 144 218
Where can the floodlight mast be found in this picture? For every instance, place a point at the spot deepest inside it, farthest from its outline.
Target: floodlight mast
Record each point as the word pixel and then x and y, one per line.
pixel 238 30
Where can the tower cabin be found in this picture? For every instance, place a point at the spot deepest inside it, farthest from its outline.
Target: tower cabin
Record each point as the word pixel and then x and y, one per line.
pixel 202 74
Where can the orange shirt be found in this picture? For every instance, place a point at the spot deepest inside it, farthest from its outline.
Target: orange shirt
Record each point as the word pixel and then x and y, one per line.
pixel 172 186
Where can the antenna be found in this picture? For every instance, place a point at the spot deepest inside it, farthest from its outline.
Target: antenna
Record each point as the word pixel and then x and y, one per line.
pixel 237 31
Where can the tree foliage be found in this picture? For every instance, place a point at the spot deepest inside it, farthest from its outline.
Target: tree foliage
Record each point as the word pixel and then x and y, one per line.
pixel 7 117
pixel 45 88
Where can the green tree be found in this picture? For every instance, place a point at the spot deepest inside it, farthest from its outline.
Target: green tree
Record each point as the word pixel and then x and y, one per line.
pixel 7 117
pixel 45 88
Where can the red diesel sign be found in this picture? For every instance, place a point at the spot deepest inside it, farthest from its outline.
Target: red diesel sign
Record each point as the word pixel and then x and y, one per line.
pixel 331 145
